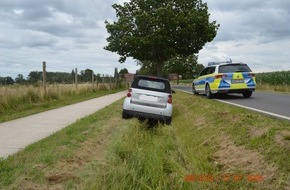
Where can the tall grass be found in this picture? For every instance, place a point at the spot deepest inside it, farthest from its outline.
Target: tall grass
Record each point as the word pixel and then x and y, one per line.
pixel 14 99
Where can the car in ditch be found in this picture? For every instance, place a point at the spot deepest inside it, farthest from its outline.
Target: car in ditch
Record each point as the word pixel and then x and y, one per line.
pixel 223 78
pixel 149 98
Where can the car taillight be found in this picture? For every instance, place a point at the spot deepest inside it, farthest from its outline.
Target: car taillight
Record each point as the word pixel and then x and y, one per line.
pixel 129 93
pixel 169 99
pixel 220 76
pixel 251 75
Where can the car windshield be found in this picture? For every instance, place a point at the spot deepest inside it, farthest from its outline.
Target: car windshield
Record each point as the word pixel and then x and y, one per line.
pixel 232 68
pixel 153 84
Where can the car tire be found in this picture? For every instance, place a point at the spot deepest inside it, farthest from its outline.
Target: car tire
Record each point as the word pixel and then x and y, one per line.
pixel 125 116
pixel 247 94
pixel 194 90
pixel 168 121
pixel 208 92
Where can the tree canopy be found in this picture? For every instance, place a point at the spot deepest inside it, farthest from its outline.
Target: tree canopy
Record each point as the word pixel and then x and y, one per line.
pixel 122 72
pixel 159 30
pixel 184 66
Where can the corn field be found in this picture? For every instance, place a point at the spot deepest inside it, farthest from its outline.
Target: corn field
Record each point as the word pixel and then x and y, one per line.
pixel 274 81
pixel 274 78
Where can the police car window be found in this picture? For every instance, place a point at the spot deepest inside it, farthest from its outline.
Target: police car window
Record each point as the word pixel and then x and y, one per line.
pixel 234 68
pixel 207 71
pixel 211 70
pixel 203 72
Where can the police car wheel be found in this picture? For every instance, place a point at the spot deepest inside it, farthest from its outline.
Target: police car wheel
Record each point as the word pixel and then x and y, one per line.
pixel 194 90
pixel 208 92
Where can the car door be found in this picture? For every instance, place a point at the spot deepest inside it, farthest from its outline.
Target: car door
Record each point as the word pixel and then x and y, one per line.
pixel 203 78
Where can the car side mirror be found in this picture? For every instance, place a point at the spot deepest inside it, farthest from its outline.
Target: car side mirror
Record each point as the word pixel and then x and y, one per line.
pixel 172 91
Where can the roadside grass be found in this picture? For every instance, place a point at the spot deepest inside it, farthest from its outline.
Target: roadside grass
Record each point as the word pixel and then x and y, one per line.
pixel 284 88
pixel 209 145
pixel 19 101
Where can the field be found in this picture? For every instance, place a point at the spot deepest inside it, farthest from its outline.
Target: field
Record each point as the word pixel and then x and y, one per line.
pixel 208 146
pixel 274 78
pixel 274 81
pixel 21 100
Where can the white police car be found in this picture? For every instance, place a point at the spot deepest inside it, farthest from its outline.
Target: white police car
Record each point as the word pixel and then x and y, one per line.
pixel 225 77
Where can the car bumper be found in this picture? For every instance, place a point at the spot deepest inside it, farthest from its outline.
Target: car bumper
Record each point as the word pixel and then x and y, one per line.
pixel 146 115
pixel 147 111
pixel 233 90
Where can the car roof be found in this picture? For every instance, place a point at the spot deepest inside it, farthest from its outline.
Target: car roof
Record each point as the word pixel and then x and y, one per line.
pixel 151 77
pixel 216 64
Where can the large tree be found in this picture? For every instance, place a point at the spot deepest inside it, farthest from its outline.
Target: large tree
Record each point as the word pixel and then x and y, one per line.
pixel 159 30
pixel 20 79
pixel 184 66
pixel 122 72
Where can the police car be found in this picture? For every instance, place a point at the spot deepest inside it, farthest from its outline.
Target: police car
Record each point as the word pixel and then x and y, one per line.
pixel 225 77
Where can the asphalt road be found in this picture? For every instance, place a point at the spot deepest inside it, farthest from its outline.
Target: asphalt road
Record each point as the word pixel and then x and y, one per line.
pixel 273 104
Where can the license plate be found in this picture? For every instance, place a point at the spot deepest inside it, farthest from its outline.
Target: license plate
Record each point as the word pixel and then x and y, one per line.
pixel 234 81
pixel 148 98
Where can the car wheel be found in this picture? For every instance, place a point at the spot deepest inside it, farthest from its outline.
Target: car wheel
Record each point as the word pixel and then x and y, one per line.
pixel 208 92
pixel 247 94
pixel 194 90
pixel 168 121
pixel 125 116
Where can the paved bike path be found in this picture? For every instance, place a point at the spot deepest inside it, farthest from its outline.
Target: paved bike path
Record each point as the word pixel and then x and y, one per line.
pixel 17 134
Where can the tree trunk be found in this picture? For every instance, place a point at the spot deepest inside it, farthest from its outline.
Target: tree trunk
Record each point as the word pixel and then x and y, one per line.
pixel 159 69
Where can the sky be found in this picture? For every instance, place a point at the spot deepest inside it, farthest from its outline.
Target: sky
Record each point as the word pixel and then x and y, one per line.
pixel 69 34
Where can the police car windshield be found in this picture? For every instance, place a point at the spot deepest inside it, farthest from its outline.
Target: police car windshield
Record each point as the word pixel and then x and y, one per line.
pixel 233 68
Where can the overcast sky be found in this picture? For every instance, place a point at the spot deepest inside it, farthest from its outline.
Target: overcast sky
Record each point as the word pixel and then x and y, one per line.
pixel 70 34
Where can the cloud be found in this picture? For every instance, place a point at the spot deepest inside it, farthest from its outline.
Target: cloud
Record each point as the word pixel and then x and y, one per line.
pixel 71 33
pixel 67 34
pixel 250 31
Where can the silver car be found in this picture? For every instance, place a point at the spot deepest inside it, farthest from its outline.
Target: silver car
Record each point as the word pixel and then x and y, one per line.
pixel 149 98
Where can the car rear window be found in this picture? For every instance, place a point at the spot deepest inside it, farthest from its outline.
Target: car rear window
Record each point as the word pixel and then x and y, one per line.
pixel 154 84
pixel 232 68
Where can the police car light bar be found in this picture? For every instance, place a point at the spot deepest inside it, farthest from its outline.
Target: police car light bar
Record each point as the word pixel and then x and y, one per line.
pixel 217 63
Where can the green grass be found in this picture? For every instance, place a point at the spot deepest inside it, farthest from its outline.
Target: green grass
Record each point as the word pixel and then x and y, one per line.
pixel 274 88
pixel 207 140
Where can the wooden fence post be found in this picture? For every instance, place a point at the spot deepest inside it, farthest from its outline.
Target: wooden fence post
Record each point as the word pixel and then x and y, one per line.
pixel 76 78
pixel 93 80
pixel 44 76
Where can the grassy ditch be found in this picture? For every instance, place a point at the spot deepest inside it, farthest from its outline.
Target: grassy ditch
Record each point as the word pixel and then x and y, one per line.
pixel 208 146
pixel 19 101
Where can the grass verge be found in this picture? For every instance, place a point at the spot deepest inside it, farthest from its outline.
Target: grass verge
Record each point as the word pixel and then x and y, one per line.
pixel 274 88
pixel 209 146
